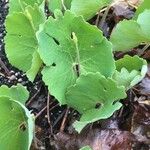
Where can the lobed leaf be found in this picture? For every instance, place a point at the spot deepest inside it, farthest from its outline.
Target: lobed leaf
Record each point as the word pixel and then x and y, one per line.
pixel 16 125
pixel 20 5
pixel 129 34
pixel 18 93
pixel 128 75
pixel 21 43
pixel 93 96
pixel 74 47
pixel 89 8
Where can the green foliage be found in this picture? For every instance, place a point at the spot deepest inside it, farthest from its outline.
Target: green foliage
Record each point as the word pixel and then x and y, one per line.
pixel 93 96
pixel 67 3
pixel 16 122
pixel 54 4
pixel 129 75
pixel 89 8
pixel 86 148
pixel 59 4
pixel 79 68
pixel 21 43
pixel 129 34
pixel 18 93
pixel 144 5
pixel 86 9
pixel 20 5
pixel 79 44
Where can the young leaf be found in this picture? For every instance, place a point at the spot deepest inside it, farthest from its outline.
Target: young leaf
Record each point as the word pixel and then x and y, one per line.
pixel 145 5
pixel 129 75
pixel 85 148
pixel 20 5
pixel 131 32
pixel 89 8
pixel 69 46
pixel 21 43
pixel 16 125
pixel 18 93
pixel 93 96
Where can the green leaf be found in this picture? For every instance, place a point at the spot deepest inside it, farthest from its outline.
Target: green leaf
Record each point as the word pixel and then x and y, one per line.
pixel 21 43
pixel 59 4
pixel 144 22
pixel 67 3
pixel 86 148
pixel 20 5
pixel 129 34
pixel 129 75
pixel 67 42
pixel 16 125
pixel 145 5
pixel 126 35
pixel 18 93
pixel 89 8
pixel 93 96
pixel 54 4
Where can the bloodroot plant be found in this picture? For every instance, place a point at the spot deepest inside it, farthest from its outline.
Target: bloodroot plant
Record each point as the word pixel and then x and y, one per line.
pixel 79 66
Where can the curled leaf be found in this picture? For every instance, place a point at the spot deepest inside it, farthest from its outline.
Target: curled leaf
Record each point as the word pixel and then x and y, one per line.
pixel 129 75
pixel 16 125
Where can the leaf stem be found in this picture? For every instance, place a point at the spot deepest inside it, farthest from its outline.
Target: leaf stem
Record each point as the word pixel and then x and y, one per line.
pixel 48 113
pixel 62 127
pixel 77 52
pixel 145 47
pixel 64 7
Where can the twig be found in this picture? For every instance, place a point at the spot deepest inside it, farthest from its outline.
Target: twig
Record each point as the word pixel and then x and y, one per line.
pixel 97 19
pixel 39 114
pixel 4 67
pixel 48 114
pixel 104 16
pixel 62 127
pixel 45 109
pixel 145 47
pixel 58 119
pixel 32 98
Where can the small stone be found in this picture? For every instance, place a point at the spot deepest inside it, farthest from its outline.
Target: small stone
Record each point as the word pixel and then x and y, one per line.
pixel 16 74
pixel 20 80
pixel 13 77
pixel 12 72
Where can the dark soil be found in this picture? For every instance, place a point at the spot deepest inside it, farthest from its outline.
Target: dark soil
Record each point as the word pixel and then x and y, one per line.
pixel 127 129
